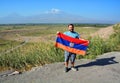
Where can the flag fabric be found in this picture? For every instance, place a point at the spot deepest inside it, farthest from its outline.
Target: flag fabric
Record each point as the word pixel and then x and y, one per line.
pixel 70 44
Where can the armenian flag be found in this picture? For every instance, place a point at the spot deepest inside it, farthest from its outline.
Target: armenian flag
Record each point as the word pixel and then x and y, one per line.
pixel 70 44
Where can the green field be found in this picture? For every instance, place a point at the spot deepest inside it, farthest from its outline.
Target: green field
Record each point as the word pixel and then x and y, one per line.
pixel 43 51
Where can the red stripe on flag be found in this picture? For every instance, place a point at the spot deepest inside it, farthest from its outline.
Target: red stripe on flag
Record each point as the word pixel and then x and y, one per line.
pixel 74 40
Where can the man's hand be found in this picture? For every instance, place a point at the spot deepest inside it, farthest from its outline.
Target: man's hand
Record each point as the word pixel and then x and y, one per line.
pixel 58 32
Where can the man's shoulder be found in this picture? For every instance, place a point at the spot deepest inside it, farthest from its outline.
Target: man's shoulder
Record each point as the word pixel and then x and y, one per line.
pixel 66 32
pixel 76 33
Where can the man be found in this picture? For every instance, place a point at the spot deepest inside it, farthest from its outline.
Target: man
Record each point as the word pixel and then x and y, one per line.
pixel 68 55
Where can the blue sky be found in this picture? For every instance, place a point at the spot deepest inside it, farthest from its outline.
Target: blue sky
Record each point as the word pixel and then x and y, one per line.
pixel 95 9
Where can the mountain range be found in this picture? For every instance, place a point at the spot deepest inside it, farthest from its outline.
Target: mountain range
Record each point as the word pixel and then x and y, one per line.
pixel 61 17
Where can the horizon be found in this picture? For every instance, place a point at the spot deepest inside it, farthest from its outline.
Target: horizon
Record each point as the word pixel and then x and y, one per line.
pixel 57 23
pixel 66 11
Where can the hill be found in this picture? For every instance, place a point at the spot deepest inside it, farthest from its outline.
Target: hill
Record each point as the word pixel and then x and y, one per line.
pixel 104 32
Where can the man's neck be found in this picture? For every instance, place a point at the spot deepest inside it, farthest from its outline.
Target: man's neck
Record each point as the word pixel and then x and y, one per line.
pixel 71 31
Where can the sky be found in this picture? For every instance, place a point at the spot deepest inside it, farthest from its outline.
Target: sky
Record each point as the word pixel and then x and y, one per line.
pixel 95 9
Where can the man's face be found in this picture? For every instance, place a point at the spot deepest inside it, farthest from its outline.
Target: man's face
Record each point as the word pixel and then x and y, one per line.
pixel 71 28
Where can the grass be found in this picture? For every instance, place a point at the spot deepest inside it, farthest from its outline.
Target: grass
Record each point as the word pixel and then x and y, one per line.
pixel 41 53
pixel 99 46
pixel 32 54
pixel 7 44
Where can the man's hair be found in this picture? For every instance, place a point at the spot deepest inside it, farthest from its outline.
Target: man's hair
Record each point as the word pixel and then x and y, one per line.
pixel 71 25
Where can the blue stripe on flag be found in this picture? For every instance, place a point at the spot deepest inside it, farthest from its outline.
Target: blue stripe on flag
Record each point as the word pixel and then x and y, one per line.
pixel 67 43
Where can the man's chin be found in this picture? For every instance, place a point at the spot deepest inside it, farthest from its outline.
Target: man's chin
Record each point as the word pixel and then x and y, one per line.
pixel 71 31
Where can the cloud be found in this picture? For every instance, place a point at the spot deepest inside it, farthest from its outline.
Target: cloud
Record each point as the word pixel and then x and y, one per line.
pixel 53 11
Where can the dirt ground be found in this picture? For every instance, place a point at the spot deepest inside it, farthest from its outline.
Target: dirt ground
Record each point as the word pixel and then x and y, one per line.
pixel 104 32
